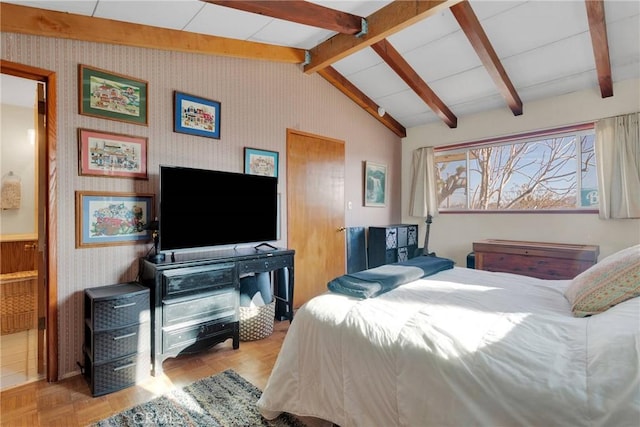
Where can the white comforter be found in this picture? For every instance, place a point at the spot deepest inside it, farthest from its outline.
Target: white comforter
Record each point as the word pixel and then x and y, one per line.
pixel 460 348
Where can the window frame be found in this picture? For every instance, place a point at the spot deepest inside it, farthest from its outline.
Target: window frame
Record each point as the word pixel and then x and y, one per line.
pixel 525 137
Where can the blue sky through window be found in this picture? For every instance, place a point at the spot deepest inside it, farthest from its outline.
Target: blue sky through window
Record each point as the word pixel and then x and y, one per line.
pixel 556 172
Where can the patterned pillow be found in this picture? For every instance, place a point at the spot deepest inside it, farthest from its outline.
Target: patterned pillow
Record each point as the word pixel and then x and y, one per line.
pixel 612 281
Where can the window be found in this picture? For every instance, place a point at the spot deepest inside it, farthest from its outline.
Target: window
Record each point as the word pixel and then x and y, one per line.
pixel 554 170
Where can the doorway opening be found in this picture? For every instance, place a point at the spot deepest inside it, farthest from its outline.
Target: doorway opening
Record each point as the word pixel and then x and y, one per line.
pixel 28 226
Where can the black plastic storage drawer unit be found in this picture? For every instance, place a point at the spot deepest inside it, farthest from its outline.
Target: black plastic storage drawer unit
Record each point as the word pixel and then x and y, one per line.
pixel 117 336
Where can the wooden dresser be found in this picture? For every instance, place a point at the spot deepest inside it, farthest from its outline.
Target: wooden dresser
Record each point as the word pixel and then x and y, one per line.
pixel 535 259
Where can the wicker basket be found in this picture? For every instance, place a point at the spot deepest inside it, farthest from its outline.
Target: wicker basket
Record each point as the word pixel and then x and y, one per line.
pixel 18 301
pixel 256 322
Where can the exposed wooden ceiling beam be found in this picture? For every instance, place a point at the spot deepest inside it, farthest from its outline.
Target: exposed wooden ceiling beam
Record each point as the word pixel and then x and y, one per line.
pixel 381 24
pixel 40 22
pixel 478 38
pixel 346 87
pixel 47 23
pixel 300 11
pixel 598 30
pixel 393 58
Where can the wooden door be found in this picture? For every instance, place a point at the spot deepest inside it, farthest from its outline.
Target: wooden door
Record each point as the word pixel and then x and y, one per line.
pixel 47 212
pixel 315 210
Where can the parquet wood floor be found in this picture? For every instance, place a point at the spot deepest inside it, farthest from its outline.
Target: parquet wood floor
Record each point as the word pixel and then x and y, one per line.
pixel 68 402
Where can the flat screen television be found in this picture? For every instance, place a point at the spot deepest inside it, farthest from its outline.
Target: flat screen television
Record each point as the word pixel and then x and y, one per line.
pixel 205 208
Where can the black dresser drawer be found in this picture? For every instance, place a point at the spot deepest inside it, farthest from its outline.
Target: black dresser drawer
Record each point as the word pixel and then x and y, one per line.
pixel 115 343
pixel 183 338
pixel 203 307
pixel 121 311
pixel 117 374
pixel 117 336
pixel 184 281
pixel 264 264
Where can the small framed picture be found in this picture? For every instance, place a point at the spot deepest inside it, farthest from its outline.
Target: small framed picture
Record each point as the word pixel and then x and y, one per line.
pixel 108 219
pixel 112 154
pixel 375 184
pixel 112 96
pixel 260 162
pixel 196 116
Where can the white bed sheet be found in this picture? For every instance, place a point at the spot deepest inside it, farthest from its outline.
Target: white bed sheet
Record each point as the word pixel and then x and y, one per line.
pixel 459 348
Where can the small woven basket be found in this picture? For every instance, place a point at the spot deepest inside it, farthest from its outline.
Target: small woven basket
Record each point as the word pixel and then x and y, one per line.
pixel 256 322
pixel 18 302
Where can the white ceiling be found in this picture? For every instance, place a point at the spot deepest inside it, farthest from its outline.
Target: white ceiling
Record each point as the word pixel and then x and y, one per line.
pixel 544 46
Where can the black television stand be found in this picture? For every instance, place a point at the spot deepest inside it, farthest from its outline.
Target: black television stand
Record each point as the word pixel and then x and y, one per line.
pixel 195 297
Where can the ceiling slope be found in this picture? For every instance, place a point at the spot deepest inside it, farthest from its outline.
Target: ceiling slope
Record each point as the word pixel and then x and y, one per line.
pixel 415 61
pixel 299 11
pixel 477 37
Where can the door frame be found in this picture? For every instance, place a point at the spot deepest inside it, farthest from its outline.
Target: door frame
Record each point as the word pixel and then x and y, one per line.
pixel 49 182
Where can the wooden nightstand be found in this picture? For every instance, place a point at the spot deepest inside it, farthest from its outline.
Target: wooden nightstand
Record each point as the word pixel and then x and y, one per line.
pixel 535 259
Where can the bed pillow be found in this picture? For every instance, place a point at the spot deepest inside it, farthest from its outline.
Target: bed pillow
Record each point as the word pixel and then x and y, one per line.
pixel 613 280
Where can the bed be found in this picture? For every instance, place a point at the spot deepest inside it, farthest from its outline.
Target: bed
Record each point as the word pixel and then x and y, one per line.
pixel 461 347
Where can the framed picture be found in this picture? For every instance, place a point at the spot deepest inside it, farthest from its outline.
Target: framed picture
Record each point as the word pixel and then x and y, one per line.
pixel 112 96
pixel 112 154
pixel 196 116
pixel 260 162
pixel 107 219
pixel 375 184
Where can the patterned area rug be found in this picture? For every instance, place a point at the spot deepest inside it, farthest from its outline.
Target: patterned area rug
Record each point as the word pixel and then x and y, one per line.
pixel 225 400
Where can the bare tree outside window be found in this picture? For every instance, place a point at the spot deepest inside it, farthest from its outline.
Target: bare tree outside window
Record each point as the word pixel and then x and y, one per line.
pixel 552 173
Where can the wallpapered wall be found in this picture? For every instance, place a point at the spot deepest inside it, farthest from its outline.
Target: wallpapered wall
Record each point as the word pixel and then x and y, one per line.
pixel 259 101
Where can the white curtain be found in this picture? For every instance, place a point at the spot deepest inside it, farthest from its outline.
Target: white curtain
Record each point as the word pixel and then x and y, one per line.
pixel 617 149
pixel 424 191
